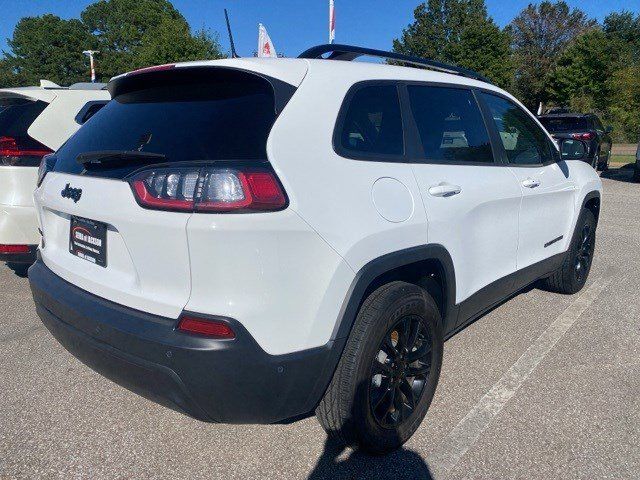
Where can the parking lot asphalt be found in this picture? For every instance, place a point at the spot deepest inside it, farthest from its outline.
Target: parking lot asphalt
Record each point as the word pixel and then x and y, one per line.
pixel 545 386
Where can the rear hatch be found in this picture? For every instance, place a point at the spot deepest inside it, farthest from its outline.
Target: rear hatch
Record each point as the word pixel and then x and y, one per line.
pixel 17 148
pixel 100 233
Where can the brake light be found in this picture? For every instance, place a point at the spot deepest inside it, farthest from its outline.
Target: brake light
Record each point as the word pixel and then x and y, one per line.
pixel 14 249
pixel 208 189
pixel 583 136
pixel 157 68
pixel 206 327
pixel 12 153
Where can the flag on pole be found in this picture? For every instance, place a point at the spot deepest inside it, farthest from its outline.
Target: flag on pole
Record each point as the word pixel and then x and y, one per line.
pixel 332 22
pixel 265 45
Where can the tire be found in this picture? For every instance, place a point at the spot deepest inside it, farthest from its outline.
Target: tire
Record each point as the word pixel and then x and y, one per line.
pixel 20 269
pixel 604 165
pixel 367 380
pixel 573 274
pixel 595 162
pixel 636 173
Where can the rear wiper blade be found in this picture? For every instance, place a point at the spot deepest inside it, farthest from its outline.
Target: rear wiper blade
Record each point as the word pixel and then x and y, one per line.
pixel 103 157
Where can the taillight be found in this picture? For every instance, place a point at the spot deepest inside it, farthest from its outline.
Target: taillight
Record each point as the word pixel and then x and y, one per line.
pixel 583 136
pixel 14 249
pixel 206 327
pixel 208 189
pixel 13 153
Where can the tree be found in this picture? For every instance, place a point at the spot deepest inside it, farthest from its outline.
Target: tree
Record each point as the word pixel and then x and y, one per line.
pixel 458 32
pixel 581 74
pixel 540 33
pixel 47 47
pixel 625 102
pixel 624 28
pixel 135 33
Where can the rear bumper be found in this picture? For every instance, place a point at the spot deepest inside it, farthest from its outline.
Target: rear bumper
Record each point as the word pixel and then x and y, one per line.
pixel 229 381
pixel 20 257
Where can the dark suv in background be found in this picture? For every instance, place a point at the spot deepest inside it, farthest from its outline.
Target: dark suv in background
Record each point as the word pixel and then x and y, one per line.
pixel 585 127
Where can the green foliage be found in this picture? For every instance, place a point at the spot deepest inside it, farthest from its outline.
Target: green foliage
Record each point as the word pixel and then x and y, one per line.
pixel 540 33
pixel 47 47
pixel 458 32
pixel 138 33
pixel 582 72
pixel 129 34
pixel 624 108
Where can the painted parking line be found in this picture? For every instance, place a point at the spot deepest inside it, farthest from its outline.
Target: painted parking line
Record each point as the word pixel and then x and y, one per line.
pixel 465 434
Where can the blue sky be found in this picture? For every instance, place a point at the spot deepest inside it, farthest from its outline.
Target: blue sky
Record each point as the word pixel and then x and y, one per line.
pixel 294 25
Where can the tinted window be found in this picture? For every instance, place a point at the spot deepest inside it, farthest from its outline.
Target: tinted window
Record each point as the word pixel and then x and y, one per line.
pixel 16 116
pixel 89 111
pixel 373 123
pixel 225 116
pixel 525 142
pixel 564 124
pixel 450 125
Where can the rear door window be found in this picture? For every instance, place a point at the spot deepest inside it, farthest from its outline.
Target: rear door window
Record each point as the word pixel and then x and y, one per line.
pixel 524 141
pixel 450 125
pixel 372 124
pixel 215 115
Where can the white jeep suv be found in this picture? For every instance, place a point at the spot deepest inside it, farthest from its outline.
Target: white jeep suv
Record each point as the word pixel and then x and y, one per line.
pixel 34 121
pixel 256 240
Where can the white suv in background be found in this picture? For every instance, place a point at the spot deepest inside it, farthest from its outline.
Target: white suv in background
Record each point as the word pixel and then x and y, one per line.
pixel 256 240
pixel 34 121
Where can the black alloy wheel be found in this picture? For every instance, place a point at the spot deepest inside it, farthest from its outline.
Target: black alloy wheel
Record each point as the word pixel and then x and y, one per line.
pixel 584 253
pixel 399 372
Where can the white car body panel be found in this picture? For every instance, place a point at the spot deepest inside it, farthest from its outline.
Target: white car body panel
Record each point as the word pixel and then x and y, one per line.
pixel 286 275
pixel 18 218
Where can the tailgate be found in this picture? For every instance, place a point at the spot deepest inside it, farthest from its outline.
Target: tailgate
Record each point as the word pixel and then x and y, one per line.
pixel 147 264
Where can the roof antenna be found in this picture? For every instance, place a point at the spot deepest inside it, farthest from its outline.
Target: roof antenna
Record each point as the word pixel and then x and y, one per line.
pixel 234 54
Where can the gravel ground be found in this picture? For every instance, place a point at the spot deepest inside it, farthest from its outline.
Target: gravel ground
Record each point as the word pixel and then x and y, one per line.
pixel 545 386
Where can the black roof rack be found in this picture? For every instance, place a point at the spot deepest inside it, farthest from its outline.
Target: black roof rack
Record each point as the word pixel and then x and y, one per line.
pixel 349 53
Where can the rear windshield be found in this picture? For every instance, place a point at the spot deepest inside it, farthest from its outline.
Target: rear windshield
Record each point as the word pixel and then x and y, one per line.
pixel 16 116
pixel 564 124
pixel 225 115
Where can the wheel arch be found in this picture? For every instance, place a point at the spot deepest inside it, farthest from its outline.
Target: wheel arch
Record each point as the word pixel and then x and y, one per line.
pixel 591 202
pixel 429 266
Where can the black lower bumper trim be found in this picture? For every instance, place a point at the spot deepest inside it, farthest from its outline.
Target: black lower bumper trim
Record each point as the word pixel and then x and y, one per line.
pixel 26 258
pixel 229 381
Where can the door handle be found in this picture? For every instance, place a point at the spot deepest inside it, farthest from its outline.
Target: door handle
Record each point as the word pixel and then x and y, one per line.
pixel 444 190
pixel 530 183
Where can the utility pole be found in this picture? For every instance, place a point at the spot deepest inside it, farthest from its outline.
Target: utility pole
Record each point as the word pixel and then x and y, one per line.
pixel 90 54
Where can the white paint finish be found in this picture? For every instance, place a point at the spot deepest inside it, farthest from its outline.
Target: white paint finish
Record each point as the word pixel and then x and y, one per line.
pixel 148 255
pixel 547 211
pixel 18 225
pixel 52 128
pixel 465 434
pixel 57 122
pixel 392 200
pixel 478 226
pixel 331 193
pixel 17 185
pixel 271 272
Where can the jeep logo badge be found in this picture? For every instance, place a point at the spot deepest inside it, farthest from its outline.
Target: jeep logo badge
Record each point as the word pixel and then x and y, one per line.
pixel 72 193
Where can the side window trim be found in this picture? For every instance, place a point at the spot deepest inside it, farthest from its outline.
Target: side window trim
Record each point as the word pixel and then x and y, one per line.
pixel 342 117
pixel 503 153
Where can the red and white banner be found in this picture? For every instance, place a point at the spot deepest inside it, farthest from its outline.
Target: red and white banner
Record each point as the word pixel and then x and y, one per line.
pixel 265 45
pixel 332 22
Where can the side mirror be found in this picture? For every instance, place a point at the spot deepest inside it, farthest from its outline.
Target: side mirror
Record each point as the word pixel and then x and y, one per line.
pixel 571 149
pixel 608 129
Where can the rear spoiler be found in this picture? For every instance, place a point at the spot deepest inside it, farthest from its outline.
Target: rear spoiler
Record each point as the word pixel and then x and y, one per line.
pixel 167 74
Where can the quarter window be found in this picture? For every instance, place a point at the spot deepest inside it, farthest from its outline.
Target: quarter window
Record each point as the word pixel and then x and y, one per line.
pixel 373 123
pixel 524 141
pixel 450 125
